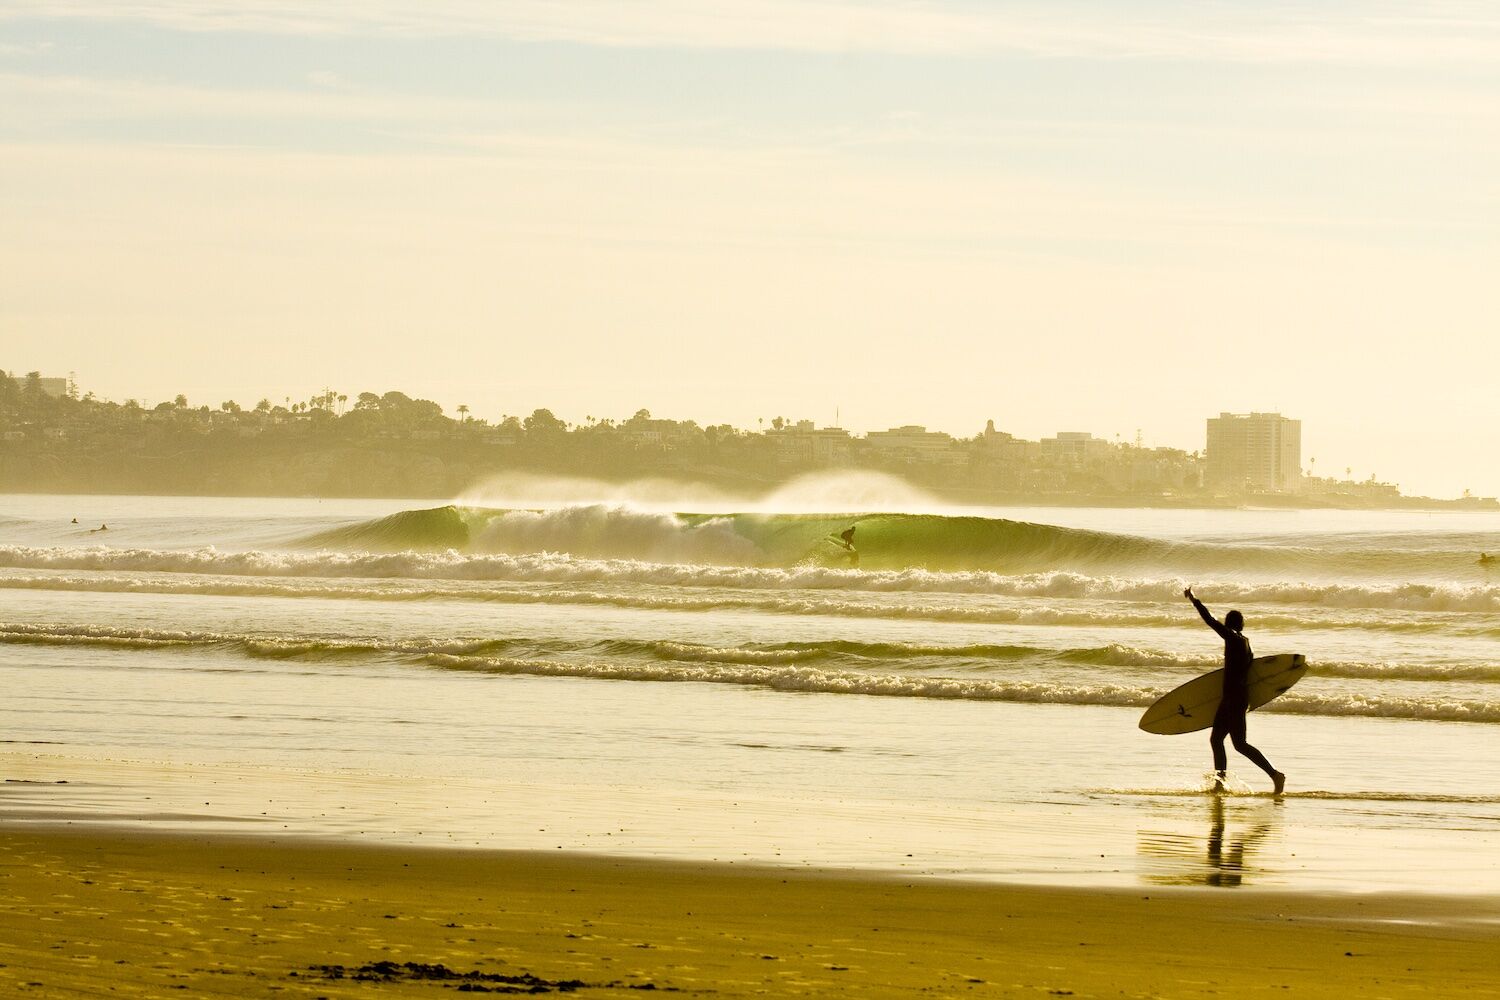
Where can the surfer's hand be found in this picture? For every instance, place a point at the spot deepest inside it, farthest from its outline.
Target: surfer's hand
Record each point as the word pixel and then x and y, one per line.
pixel 1188 593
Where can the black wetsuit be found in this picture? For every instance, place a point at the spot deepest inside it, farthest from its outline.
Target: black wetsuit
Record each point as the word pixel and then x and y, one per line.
pixel 1229 720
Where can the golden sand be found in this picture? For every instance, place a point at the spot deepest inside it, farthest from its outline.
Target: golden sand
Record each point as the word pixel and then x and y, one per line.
pixel 96 912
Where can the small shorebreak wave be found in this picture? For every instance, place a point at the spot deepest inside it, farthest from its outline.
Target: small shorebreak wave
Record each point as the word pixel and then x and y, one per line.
pixel 1050 610
pixel 832 667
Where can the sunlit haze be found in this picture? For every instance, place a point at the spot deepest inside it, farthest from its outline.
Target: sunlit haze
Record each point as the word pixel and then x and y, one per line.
pixel 1060 216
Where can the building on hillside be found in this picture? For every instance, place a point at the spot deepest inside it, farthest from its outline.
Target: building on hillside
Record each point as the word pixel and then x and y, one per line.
pixel 1003 461
pixel 57 388
pixel 913 443
pixel 1256 451
pixel 994 439
pixel 648 432
pixel 1074 448
pixel 1369 489
pixel 803 443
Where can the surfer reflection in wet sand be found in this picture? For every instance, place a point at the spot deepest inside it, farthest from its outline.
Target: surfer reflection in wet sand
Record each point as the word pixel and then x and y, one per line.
pixel 1227 868
pixel 1229 720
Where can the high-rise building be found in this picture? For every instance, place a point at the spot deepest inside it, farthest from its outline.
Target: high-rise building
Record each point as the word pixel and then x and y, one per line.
pixel 1261 451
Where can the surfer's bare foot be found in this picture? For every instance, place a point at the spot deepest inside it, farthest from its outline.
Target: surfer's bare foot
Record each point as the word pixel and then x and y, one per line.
pixel 1278 783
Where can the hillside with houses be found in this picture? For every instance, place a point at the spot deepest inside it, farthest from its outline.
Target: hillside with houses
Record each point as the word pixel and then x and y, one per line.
pixel 54 438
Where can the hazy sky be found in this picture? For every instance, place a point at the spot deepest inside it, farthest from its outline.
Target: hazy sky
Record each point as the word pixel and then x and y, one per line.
pixel 1062 215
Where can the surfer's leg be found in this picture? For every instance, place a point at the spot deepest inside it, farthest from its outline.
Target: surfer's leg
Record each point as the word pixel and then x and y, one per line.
pixel 1221 759
pixel 1253 755
pixel 1243 746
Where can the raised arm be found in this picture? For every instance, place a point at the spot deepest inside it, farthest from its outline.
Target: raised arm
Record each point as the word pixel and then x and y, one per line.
pixel 1208 619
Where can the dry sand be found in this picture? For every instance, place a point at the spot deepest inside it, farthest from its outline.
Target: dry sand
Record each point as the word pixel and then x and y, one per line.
pixel 100 912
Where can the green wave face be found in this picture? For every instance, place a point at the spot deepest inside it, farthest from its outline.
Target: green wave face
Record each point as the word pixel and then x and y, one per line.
pixel 894 542
pixel 435 528
pixel 881 541
pixel 939 543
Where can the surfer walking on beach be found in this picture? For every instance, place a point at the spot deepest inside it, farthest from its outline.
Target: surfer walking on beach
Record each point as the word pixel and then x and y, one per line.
pixel 1229 720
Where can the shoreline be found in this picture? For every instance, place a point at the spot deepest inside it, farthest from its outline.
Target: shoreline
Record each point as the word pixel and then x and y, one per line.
pixel 147 911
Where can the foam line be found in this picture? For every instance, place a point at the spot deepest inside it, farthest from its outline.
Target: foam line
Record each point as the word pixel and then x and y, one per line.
pixel 554 568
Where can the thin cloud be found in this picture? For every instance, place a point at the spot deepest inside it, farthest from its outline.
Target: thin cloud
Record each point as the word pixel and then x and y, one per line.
pixel 58 99
pixel 26 49
pixel 1373 33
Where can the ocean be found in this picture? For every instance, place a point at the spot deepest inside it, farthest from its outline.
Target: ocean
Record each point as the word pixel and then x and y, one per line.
pixel 698 681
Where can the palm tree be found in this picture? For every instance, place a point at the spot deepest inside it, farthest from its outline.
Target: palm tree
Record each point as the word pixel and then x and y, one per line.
pixel 463 413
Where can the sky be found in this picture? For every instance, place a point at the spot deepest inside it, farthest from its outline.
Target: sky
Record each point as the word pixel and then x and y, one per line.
pixel 1120 218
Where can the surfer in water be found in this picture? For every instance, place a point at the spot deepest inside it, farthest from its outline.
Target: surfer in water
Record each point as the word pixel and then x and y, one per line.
pixel 1229 720
pixel 846 539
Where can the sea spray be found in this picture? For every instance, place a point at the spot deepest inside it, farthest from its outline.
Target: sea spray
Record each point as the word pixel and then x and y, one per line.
pixel 845 492
pixel 597 532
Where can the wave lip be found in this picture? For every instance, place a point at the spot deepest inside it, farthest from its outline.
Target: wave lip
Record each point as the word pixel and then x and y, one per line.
pixel 435 528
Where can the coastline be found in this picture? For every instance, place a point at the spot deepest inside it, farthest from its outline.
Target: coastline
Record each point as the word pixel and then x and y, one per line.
pixel 143 912
pixel 959 496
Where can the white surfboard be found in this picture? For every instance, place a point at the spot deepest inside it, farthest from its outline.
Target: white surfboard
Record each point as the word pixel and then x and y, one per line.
pixel 1191 707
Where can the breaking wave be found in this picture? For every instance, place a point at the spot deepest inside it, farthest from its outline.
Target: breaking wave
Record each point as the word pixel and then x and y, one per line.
pixel 888 541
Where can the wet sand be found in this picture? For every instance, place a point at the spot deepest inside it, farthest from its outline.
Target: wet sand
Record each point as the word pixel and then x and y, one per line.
pixel 128 913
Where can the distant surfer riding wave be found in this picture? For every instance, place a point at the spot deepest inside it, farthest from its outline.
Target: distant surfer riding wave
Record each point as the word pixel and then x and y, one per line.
pixel 846 539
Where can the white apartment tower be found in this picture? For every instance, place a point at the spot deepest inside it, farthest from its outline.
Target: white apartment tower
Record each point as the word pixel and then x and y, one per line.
pixel 1259 451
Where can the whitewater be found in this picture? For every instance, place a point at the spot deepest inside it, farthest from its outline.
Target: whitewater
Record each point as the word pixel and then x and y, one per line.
pixel 963 666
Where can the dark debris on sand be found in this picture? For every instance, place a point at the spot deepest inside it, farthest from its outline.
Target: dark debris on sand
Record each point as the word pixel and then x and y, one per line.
pixel 472 981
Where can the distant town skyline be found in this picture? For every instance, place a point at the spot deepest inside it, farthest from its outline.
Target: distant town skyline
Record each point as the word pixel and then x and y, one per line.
pixel 1277 464
pixel 55 438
